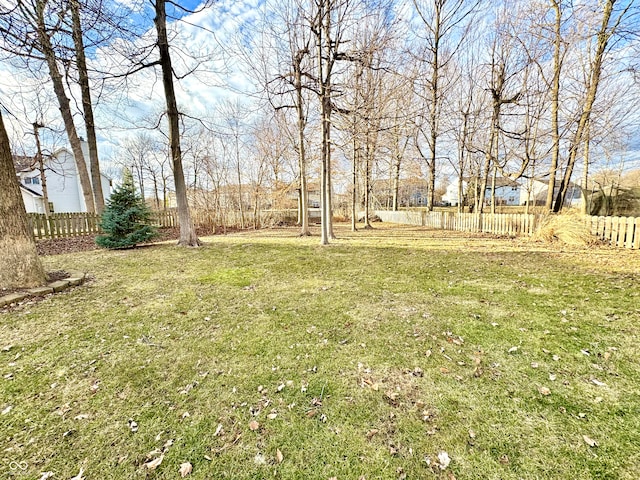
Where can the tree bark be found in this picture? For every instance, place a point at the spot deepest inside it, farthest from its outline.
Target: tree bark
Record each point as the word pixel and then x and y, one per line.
pixel 238 171
pixel 188 237
pixel 43 176
pixel 19 262
pixel 584 185
pixel 65 107
pixel 302 160
pixel 354 182
pixel 433 113
pixel 555 95
pixel 325 108
pixel 87 107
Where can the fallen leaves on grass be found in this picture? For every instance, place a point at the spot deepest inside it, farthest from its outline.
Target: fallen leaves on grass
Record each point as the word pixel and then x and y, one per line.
pixel 544 391
pixel 185 469
pixel 443 460
pixel 590 441
pixel 279 456
pixel 253 425
pixel 155 463
pixel 597 382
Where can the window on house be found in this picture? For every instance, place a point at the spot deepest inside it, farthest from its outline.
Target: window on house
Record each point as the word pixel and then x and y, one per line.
pixel 35 180
pixel 27 180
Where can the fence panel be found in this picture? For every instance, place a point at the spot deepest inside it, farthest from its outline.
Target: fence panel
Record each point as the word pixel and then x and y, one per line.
pixel 621 232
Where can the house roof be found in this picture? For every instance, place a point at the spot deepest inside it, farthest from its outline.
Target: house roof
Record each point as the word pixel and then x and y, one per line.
pixel 31 192
pixel 503 182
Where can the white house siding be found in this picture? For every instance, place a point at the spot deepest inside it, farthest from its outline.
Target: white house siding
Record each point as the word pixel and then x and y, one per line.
pixel 32 203
pixel 63 183
pixel 451 196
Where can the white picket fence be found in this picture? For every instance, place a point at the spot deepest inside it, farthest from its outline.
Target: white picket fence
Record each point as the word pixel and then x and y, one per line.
pixel 617 231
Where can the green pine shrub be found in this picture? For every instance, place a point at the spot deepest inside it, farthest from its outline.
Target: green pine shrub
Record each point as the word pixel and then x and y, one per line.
pixel 126 218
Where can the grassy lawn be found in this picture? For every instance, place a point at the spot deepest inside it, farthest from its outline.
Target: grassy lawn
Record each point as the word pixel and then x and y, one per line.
pixel 267 356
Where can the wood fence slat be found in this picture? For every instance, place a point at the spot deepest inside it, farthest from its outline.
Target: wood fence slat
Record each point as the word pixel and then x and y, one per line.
pixel 628 242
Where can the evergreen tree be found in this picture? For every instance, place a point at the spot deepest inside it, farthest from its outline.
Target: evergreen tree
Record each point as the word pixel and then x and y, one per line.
pixel 126 218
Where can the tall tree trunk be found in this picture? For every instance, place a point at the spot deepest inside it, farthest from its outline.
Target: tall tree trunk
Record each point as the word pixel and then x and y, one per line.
pixel 555 96
pixel 396 183
pixel 354 180
pixel 65 107
pixel 584 185
pixel 461 157
pixel 43 176
pixel 325 126
pixel 19 262
pixel 433 122
pixel 87 107
pixel 302 159
pixel 367 181
pixel 604 34
pixel 238 171
pixel 493 190
pixel 188 237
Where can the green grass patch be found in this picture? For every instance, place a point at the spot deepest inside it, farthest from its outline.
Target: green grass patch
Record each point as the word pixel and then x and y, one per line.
pixel 369 358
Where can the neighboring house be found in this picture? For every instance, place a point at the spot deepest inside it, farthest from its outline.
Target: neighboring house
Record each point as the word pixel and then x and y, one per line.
pixel 412 192
pixel 507 192
pixel 511 192
pixel 535 190
pixel 451 196
pixel 63 183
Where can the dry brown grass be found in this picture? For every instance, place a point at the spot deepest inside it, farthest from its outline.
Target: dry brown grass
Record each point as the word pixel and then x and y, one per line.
pixel 567 227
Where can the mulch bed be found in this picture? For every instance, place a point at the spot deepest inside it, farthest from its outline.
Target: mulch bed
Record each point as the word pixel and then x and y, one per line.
pixel 57 246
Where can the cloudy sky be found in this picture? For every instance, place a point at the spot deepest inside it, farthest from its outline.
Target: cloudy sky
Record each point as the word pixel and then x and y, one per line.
pixel 201 44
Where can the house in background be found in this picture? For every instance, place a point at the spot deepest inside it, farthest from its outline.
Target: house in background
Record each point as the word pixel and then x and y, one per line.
pixel 515 192
pixel 63 182
pixel 507 192
pixel 535 190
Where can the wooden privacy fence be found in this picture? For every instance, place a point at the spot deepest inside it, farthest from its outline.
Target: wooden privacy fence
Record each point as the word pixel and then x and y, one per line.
pixel 616 231
pixel 63 225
